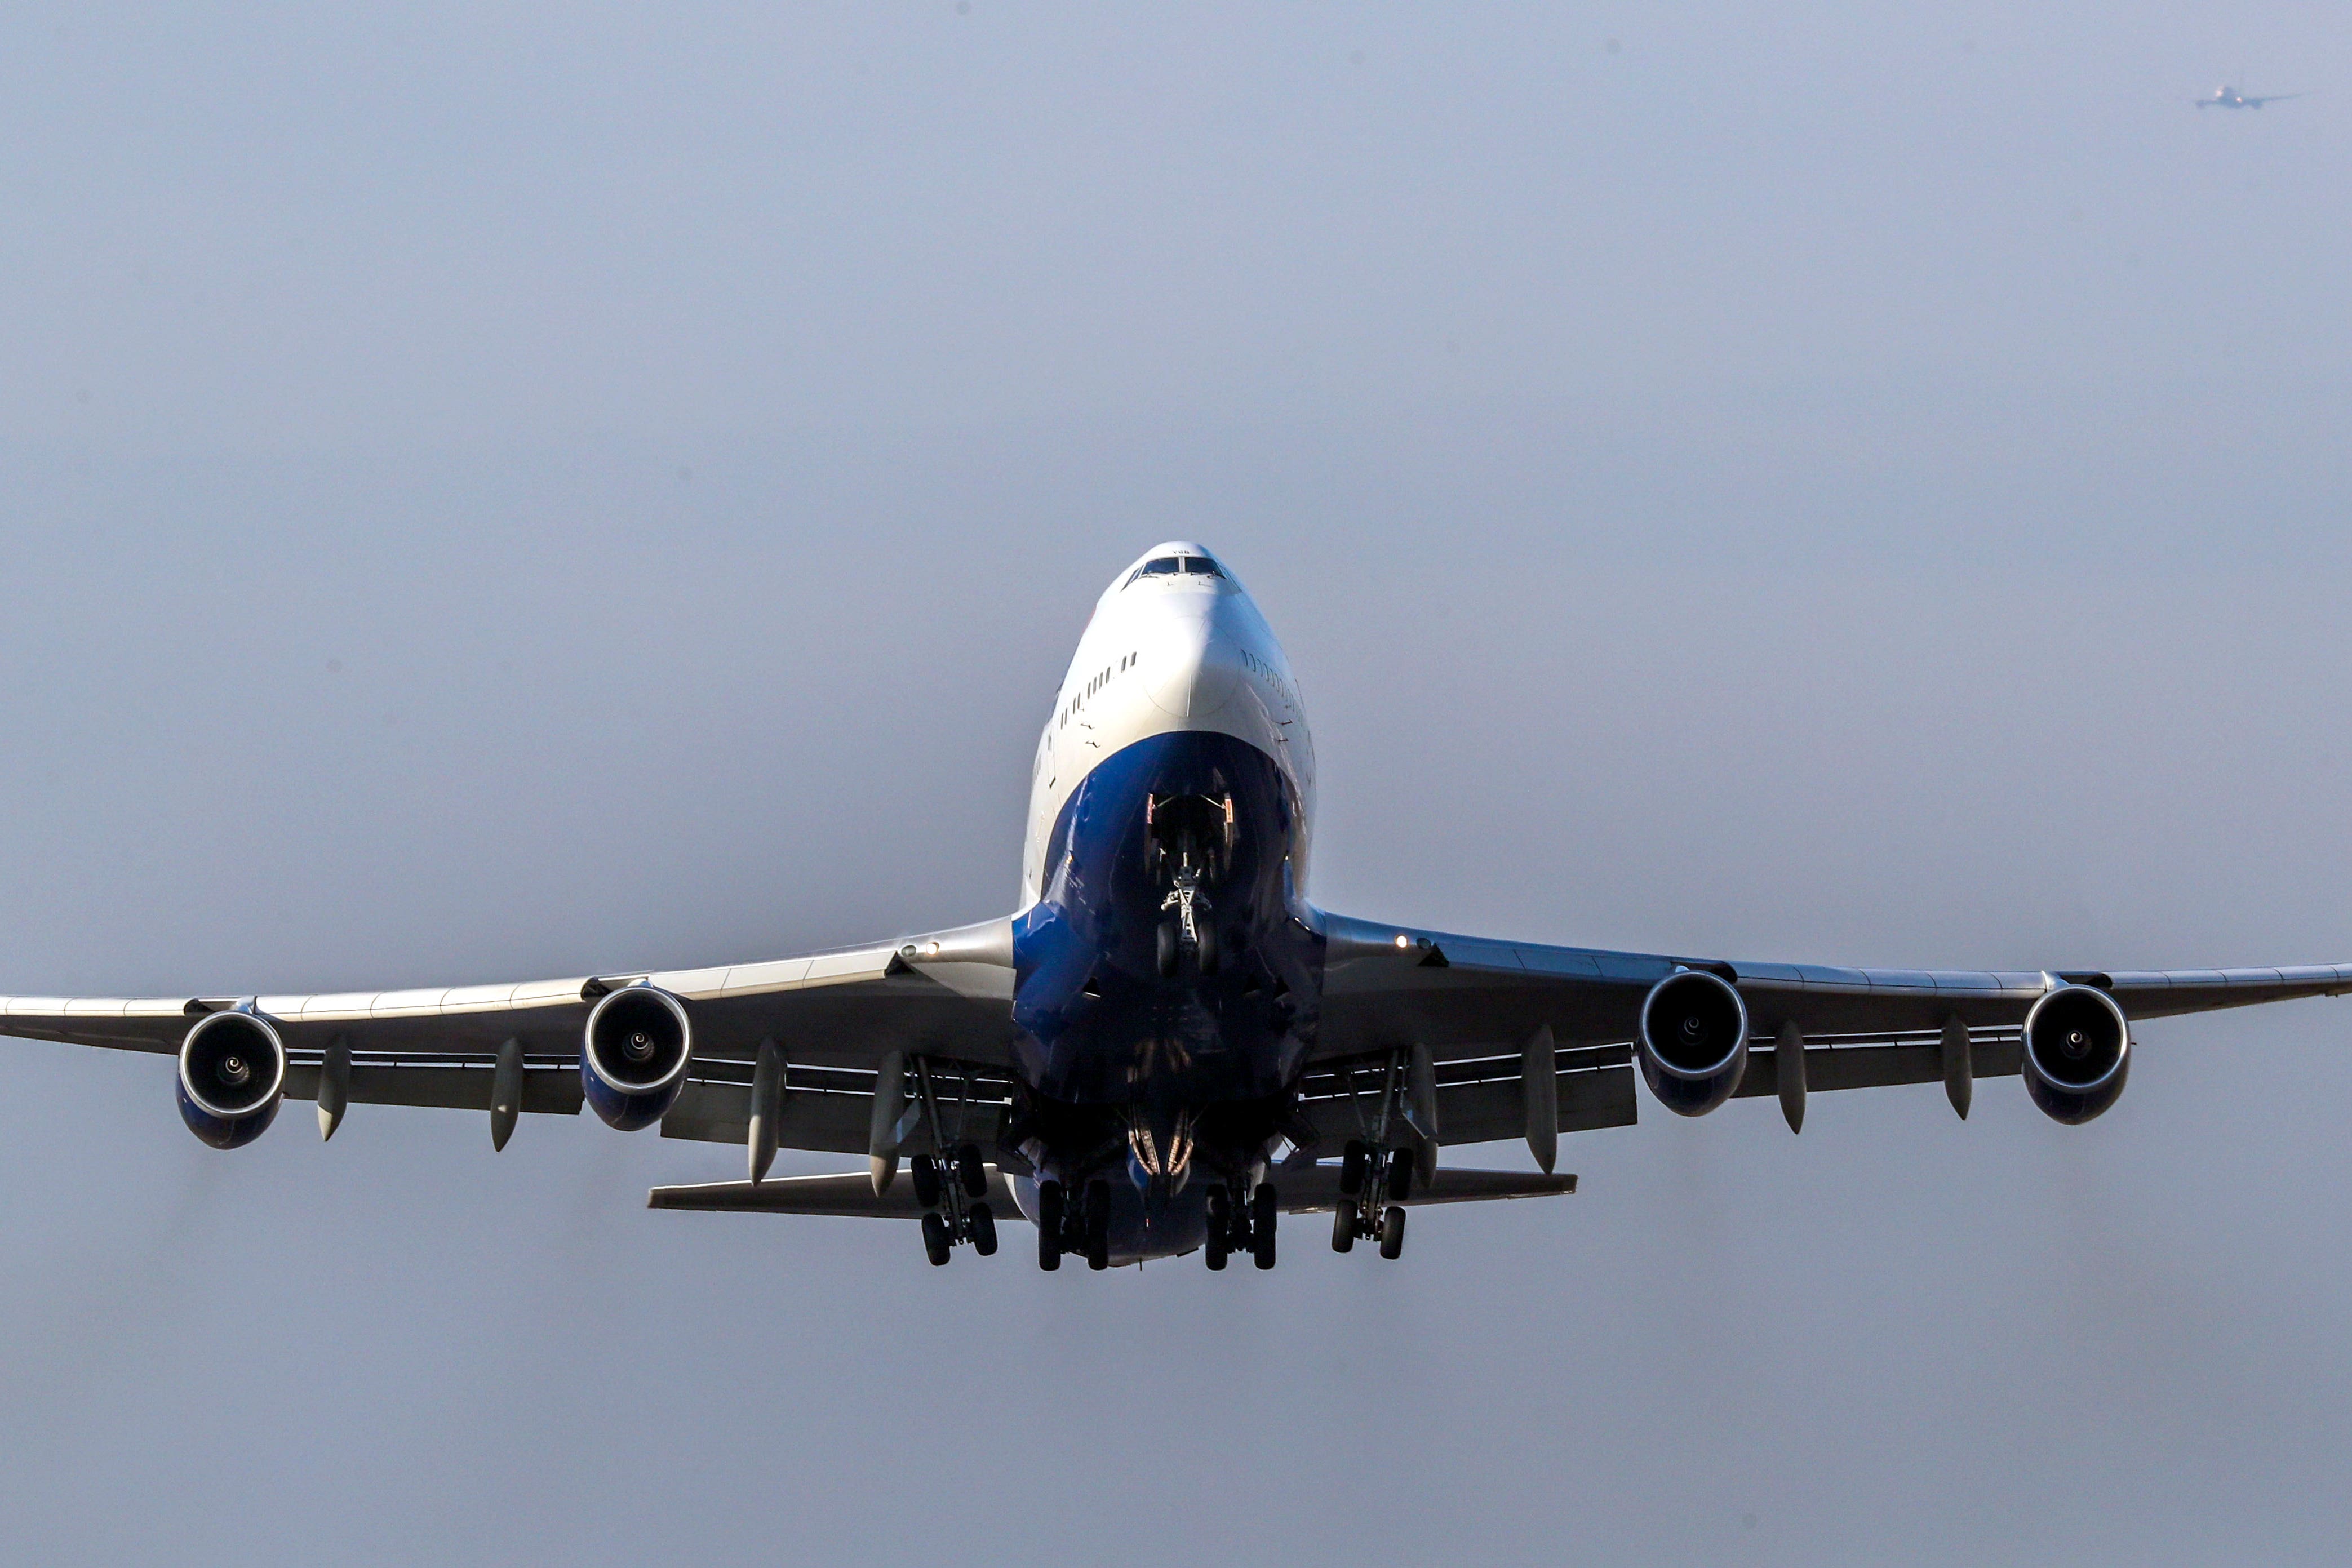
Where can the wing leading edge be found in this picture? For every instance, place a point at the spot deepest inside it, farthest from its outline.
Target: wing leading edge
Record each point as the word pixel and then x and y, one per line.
pixel 833 1016
pixel 1473 1002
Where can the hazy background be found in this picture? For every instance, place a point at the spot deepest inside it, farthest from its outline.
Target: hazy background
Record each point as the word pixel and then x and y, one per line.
pixel 487 492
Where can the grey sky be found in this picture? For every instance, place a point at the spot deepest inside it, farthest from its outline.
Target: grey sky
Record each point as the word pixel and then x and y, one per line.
pixel 490 495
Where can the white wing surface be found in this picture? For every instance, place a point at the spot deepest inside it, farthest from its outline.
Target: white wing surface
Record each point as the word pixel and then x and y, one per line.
pixel 832 1016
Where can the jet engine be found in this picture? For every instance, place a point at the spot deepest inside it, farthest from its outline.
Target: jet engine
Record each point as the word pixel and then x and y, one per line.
pixel 2077 1052
pixel 1693 1041
pixel 232 1076
pixel 634 1057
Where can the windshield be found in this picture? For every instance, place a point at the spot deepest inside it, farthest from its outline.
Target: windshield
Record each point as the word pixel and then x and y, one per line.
pixel 1177 565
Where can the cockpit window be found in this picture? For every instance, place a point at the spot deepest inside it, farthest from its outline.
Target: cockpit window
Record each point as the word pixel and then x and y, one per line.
pixel 1176 566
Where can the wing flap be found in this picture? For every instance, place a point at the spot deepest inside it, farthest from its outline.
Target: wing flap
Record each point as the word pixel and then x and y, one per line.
pixel 848 1197
pixel 1312 1189
pixel 1478 1101
pixel 832 1109
pixel 459 1086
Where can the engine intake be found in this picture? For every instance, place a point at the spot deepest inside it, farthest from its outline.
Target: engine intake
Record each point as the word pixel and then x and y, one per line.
pixel 634 1057
pixel 1693 1041
pixel 232 1078
pixel 2077 1052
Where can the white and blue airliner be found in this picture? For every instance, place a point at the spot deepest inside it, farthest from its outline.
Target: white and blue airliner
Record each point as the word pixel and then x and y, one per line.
pixel 1167 1047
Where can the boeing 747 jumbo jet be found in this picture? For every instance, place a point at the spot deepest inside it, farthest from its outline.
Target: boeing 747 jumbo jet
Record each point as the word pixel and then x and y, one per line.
pixel 2226 97
pixel 1167 1047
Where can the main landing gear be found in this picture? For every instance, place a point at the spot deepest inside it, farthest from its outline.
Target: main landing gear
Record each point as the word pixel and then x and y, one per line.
pixel 951 1189
pixel 1083 1227
pixel 1239 1224
pixel 1365 1179
pixel 951 1193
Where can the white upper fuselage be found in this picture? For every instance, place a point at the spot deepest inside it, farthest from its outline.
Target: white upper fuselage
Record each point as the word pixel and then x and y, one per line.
pixel 1169 650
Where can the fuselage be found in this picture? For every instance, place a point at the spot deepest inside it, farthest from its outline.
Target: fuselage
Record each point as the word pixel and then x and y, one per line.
pixel 1168 972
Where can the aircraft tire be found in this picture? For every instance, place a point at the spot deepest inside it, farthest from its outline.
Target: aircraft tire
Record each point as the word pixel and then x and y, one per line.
pixel 1354 1159
pixel 935 1240
pixel 1052 1215
pixel 971 1172
pixel 1167 951
pixel 983 1230
pixel 1392 1233
pixel 925 1173
pixel 1343 1228
pixel 1098 1225
pixel 1263 1210
pixel 1400 1176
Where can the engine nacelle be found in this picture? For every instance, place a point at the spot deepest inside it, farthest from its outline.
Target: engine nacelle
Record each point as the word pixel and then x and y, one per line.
pixel 232 1078
pixel 633 1056
pixel 1693 1041
pixel 2077 1052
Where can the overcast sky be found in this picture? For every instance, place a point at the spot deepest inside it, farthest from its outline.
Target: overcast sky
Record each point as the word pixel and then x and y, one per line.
pixel 497 492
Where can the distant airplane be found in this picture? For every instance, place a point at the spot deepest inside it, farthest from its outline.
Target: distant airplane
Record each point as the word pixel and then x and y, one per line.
pixel 1164 1046
pixel 2231 98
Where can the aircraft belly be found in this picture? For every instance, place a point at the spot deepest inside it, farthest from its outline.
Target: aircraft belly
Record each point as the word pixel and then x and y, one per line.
pixel 1098 1023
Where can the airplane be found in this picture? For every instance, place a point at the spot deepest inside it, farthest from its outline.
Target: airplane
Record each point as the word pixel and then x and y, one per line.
pixel 2226 97
pixel 1167 1048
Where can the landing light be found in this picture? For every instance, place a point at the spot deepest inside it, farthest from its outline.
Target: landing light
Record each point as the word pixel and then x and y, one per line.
pixel 1403 941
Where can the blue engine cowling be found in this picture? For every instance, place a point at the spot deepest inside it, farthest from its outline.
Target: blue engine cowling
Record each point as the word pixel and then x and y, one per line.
pixel 633 1056
pixel 2077 1052
pixel 232 1077
pixel 1692 1042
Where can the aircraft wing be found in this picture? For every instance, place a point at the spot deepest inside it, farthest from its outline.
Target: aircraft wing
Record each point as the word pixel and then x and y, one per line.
pixel 1476 1003
pixel 834 1017
pixel 2274 98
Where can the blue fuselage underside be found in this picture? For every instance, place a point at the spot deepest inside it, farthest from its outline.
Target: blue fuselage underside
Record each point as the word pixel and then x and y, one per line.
pixel 1109 1039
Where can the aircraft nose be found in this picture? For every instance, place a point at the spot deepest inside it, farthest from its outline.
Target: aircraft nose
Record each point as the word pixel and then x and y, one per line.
pixel 1193 666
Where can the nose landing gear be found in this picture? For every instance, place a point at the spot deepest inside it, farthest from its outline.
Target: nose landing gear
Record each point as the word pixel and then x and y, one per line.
pixel 1188 841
